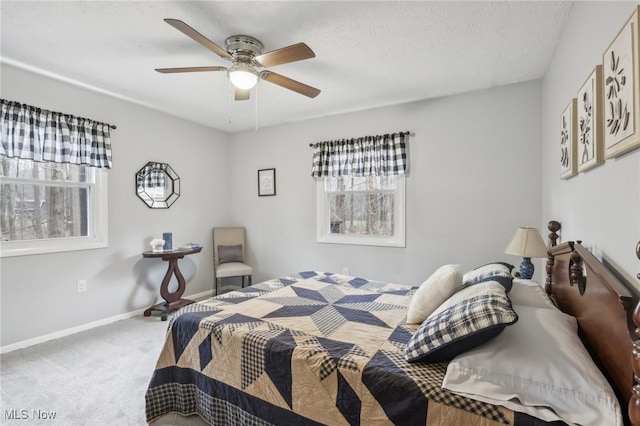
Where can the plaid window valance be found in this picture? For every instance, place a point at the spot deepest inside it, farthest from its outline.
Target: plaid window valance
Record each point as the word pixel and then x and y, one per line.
pixel 381 155
pixel 36 134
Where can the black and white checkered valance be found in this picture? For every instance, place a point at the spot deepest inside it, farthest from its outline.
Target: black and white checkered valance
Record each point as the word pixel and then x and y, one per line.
pixel 36 134
pixel 381 155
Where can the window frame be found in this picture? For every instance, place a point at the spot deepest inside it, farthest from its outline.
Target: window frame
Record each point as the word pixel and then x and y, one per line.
pixel 323 228
pixel 98 230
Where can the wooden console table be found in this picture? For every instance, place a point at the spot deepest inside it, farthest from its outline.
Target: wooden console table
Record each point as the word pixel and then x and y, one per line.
pixel 173 301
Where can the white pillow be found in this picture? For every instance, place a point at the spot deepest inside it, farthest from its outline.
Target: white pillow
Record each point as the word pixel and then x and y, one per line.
pixel 540 367
pixel 443 283
pixel 529 293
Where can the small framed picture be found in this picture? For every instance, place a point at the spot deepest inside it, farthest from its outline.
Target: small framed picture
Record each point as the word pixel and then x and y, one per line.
pixel 266 182
pixel 590 148
pixel 568 139
pixel 621 90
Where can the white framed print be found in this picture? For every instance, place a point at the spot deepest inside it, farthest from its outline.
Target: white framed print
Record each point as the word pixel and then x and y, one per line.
pixel 266 182
pixel 589 151
pixel 568 163
pixel 621 91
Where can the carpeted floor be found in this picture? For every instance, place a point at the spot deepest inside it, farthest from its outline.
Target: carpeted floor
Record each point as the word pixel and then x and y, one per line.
pixel 97 378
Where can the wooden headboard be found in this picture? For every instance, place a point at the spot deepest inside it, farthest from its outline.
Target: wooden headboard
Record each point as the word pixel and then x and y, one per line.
pixel 607 311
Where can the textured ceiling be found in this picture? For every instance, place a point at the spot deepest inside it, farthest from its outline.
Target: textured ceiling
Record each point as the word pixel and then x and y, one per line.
pixel 368 54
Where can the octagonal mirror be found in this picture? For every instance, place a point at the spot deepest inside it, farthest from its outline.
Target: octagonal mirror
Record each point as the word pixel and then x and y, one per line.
pixel 157 185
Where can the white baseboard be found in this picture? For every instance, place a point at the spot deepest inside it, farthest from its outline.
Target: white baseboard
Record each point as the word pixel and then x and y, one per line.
pixel 88 326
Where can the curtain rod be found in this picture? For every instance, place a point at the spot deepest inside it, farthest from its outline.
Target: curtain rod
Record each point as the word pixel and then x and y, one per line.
pixel 111 126
pixel 312 145
pixel 38 109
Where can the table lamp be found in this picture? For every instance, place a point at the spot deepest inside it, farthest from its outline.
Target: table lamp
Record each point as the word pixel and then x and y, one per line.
pixel 526 242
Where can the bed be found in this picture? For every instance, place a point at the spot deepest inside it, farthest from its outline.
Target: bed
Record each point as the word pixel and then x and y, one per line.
pixel 323 348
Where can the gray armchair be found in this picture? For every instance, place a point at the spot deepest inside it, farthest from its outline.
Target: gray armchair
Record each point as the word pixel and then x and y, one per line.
pixel 229 255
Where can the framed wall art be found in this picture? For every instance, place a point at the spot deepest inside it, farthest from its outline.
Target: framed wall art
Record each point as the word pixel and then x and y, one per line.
pixel 568 133
pixel 621 91
pixel 266 182
pixel 589 151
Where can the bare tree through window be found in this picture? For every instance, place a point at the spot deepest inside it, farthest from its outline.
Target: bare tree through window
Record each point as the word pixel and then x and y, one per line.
pixel 43 200
pixel 361 205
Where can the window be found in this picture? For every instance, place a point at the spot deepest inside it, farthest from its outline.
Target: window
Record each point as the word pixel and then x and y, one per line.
pixel 53 190
pixel 360 190
pixel 51 207
pixel 367 210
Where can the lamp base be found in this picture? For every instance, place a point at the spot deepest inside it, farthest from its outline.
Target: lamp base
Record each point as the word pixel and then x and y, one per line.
pixel 526 268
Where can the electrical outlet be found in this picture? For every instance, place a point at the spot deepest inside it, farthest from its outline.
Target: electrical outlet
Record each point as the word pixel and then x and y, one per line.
pixel 345 270
pixel 81 286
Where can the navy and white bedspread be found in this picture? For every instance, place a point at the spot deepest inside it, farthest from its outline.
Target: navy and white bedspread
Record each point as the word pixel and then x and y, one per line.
pixel 312 348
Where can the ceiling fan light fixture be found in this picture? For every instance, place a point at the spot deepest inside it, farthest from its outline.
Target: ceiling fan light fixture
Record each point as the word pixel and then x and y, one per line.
pixel 242 75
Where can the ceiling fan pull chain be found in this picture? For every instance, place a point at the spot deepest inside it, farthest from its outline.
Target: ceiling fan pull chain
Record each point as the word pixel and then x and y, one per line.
pixel 230 89
pixel 256 128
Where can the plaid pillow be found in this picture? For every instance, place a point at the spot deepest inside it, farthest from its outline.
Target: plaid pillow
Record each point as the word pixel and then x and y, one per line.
pixel 467 319
pixel 496 271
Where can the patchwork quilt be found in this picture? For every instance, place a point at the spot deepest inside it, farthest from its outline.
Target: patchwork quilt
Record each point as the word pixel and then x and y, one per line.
pixel 311 348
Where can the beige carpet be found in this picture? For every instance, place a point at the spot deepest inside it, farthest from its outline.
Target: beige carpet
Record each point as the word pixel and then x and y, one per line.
pixel 97 378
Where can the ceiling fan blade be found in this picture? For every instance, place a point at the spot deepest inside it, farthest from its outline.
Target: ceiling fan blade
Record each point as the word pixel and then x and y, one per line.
pixel 293 53
pixel 290 84
pixel 242 94
pixel 189 69
pixel 186 29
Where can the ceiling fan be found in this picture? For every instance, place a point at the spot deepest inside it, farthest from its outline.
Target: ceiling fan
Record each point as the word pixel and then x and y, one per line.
pixel 246 54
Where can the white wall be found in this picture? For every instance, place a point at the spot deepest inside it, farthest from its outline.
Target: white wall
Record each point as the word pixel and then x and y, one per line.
pixel 602 206
pixel 38 293
pixel 474 177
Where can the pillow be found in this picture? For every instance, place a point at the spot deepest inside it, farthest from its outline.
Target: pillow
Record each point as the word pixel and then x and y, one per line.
pixel 228 254
pixel 467 319
pixel 538 366
pixel 496 271
pixel 444 282
pixel 529 293
pixel 509 267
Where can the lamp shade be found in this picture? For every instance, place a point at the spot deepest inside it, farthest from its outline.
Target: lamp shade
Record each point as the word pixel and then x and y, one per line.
pixel 526 242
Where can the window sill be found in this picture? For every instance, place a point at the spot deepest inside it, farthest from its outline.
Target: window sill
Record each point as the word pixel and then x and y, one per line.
pixel 361 240
pixel 27 248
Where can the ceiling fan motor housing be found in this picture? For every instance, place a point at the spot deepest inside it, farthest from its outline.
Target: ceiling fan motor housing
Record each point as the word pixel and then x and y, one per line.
pixel 242 46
